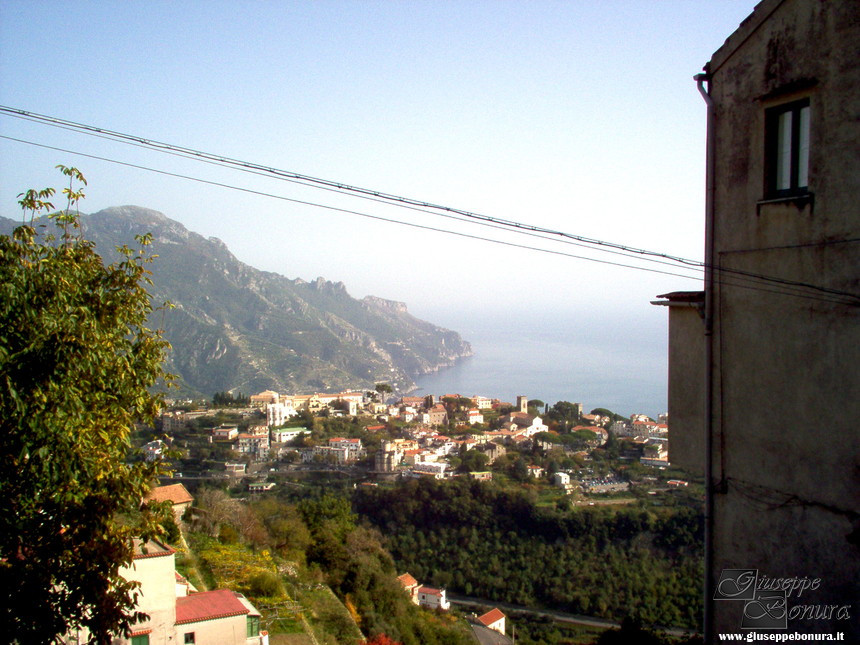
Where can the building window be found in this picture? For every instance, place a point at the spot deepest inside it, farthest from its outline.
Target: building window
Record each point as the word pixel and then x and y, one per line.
pixel 787 141
pixel 253 626
pixel 143 639
pixel 189 638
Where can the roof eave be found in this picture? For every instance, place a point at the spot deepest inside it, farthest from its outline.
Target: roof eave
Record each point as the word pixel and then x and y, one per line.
pixel 750 24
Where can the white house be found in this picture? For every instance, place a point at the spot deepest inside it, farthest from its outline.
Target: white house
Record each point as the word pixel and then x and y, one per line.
pixel 493 619
pixel 482 402
pixel 154 450
pixel 522 423
pixel 176 613
pixel 225 433
pixel 535 471
pixel 279 413
pixel 283 436
pixel 254 444
pixel 432 598
pixel 437 469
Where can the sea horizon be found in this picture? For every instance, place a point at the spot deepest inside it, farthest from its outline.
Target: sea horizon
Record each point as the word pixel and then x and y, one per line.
pixel 612 365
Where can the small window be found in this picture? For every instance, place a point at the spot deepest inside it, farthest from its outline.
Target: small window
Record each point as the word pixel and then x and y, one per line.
pixel 787 142
pixel 253 626
pixel 140 640
pixel 189 638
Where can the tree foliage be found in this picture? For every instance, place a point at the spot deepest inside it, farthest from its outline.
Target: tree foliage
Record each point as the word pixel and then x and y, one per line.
pixel 76 362
pixel 500 544
pixel 321 532
pixel 603 412
pixel 228 400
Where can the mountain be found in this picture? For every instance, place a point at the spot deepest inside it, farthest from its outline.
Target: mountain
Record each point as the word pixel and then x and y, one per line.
pixel 240 329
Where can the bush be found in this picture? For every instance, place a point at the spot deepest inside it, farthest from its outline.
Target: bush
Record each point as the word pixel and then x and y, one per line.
pixel 266 583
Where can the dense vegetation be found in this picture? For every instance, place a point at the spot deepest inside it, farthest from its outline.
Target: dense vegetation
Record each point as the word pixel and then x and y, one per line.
pixel 276 552
pixel 481 540
pixel 77 361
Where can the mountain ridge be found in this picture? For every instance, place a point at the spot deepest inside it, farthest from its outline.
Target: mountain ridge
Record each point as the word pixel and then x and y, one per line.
pixel 237 328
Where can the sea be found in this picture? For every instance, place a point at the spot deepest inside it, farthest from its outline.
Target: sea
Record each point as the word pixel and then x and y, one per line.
pixel 614 363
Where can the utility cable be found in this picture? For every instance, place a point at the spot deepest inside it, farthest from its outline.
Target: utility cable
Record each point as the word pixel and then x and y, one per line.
pixel 421 206
pixel 309 180
pixel 783 291
pixel 349 211
pixel 378 195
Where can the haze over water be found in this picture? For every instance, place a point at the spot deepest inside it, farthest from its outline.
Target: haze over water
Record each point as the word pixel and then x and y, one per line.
pixel 600 363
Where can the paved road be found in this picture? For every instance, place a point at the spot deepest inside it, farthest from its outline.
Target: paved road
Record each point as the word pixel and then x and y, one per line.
pixel 559 616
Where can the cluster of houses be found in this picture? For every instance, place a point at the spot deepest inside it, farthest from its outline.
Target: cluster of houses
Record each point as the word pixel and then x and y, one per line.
pixel 646 440
pixel 422 450
pixel 425 410
pixel 488 628
pixel 262 443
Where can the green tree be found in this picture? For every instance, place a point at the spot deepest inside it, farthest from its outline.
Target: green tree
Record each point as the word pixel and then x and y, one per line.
pixel 383 388
pixel 77 360
pixel 473 461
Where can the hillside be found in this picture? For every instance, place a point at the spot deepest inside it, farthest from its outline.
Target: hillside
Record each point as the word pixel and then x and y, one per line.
pixel 237 328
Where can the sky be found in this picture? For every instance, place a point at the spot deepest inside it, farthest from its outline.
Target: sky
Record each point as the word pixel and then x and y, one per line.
pixel 578 117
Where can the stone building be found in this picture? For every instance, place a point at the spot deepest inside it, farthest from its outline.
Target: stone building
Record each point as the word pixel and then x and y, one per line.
pixel 764 364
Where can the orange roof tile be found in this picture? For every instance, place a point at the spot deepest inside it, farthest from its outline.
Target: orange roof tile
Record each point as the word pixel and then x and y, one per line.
pixel 407 580
pixel 491 616
pixel 176 493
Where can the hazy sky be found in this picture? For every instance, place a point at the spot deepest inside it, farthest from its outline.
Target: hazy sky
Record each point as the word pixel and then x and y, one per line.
pixel 575 116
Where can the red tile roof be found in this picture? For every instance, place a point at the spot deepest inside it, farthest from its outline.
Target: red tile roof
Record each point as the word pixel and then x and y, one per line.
pixel 176 493
pixel 407 580
pixel 491 616
pixel 208 605
pixel 430 591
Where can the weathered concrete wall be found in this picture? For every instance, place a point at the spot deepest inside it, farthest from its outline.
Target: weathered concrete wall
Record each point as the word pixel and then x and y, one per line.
pixel 787 367
pixel 686 388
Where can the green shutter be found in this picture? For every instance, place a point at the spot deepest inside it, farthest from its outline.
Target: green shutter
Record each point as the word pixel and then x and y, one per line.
pixel 253 626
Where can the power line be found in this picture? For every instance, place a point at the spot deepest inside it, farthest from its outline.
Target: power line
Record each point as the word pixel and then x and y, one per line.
pixel 787 289
pixel 316 181
pixel 790 286
pixel 344 210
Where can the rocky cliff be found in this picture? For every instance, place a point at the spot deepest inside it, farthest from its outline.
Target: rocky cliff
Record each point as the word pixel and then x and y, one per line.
pixel 240 329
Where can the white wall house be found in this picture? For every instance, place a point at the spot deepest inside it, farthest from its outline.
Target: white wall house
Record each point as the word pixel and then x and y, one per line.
pixel 432 598
pixel 176 613
pixel 493 619
pixel 279 413
pixel 154 450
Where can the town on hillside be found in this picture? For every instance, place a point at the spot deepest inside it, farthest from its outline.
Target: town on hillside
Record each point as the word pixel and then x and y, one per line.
pixel 270 445
pixel 406 437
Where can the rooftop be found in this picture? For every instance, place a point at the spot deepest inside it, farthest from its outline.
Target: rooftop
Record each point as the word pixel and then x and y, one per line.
pixel 208 605
pixel 176 493
pixel 151 549
pixel 491 616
